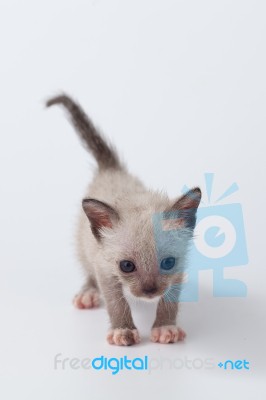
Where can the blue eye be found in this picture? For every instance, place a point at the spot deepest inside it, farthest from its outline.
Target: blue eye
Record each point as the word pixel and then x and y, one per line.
pixel 168 263
pixel 127 266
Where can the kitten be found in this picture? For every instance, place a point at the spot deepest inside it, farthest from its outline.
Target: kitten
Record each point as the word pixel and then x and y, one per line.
pixel 131 240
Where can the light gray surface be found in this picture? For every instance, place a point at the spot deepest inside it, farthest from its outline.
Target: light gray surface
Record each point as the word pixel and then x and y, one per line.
pixel 180 88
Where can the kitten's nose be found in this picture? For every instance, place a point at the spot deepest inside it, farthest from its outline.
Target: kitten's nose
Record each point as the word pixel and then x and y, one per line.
pixel 150 289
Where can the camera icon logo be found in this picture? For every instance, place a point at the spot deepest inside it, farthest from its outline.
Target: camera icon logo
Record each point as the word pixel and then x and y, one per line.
pixel 219 237
pixel 219 242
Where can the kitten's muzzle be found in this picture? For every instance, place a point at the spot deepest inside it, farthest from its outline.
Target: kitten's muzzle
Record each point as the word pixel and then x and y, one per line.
pixel 150 290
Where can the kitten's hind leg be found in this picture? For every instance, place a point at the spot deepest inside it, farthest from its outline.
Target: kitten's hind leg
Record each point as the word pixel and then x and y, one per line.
pixel 89 295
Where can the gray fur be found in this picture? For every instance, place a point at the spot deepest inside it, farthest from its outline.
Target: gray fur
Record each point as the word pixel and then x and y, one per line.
pixel 104 154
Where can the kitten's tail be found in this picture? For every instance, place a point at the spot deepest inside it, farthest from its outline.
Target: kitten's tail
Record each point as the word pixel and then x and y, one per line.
pixel 104 154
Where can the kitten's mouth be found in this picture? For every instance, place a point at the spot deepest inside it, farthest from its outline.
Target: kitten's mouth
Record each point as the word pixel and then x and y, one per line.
pixel 150 298
pixel 150 295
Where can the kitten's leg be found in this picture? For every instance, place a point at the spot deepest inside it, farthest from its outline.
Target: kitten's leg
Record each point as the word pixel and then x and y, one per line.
pixel 89 296
pixel 164 329
pixel 123 331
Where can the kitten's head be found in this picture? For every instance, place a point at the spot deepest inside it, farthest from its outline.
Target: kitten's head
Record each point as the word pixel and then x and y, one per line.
pixel 145 247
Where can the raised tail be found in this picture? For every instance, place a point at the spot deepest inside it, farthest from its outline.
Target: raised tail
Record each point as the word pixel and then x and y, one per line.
pixel 104 154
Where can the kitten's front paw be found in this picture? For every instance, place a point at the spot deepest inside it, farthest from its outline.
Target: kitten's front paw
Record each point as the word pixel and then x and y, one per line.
pixel 167 334
pixel 123 337
pixel 89 298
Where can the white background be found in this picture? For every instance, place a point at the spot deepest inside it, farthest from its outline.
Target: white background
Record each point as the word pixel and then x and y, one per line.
pixel 180 87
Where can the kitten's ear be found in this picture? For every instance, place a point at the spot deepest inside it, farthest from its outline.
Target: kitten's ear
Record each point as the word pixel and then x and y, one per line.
pixel 100 215
pixel 189 200
pixel 185 208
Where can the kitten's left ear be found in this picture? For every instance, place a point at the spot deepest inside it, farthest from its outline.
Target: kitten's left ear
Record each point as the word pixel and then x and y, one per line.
pixel 186 208
pixel 100 215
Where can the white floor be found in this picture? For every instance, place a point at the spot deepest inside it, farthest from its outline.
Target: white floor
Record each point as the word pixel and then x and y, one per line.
pixel 38 322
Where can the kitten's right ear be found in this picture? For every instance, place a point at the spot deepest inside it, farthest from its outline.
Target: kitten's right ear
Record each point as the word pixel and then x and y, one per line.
pixel 100 215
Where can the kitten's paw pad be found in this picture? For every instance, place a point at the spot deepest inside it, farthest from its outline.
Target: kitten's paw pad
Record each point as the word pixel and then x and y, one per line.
pixel 123 337
pixel 167 334
pixel 88 299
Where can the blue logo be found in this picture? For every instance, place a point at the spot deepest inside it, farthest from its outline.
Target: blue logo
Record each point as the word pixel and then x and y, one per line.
pixel 219 242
